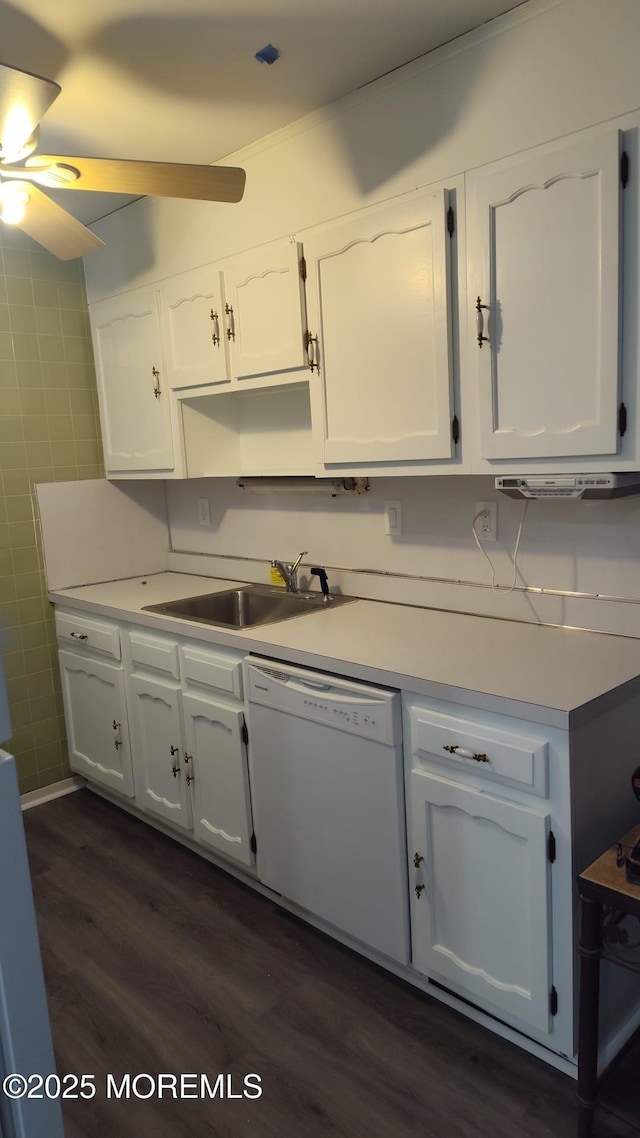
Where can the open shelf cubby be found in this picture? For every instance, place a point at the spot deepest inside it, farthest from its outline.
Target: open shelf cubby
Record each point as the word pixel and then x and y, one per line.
pixel 264 431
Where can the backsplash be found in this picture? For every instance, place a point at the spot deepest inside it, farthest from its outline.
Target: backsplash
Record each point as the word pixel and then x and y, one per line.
pixel 577 561
pixel 48 432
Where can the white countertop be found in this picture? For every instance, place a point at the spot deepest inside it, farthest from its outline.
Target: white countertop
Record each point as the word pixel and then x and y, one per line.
pixel 550 675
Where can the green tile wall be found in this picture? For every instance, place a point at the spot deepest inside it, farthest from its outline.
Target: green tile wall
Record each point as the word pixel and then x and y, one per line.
pixel 49 431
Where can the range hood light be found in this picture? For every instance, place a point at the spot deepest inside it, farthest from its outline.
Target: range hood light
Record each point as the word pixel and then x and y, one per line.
pixel 563 486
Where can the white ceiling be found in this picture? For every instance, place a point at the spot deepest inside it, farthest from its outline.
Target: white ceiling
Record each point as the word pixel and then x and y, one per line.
pixel 176 80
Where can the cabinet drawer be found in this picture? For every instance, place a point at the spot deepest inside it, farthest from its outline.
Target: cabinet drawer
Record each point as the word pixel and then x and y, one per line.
pixel 85 632
pixel 157 653
pixel 212 668
pixel 491 750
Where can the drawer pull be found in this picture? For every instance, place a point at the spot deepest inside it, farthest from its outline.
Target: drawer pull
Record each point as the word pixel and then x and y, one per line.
pixel 464 753
pixel 79 635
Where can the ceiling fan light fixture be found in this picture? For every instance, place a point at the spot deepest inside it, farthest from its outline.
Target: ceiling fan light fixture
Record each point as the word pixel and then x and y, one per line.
pixel 13 202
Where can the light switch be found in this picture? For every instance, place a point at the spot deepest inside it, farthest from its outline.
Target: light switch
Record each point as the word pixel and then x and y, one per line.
pixel 393 518
pixel 204 513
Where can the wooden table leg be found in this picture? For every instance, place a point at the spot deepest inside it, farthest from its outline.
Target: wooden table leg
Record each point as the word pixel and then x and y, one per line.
pixel 590 949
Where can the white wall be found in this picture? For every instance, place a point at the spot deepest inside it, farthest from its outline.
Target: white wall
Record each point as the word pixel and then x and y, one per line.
pixel 549 68
pixel 569 547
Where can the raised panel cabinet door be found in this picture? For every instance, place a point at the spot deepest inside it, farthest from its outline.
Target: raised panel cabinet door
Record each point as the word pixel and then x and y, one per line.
pixel 156 743
pixel 96 719
pixel 544 257
pixel 132 384
pixel 265 311
pixel 379 300
pixel 217 758
pixel 194 333
pixel 481 917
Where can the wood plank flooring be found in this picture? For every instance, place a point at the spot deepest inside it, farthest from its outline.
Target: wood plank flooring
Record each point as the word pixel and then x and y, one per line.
pixel 158 962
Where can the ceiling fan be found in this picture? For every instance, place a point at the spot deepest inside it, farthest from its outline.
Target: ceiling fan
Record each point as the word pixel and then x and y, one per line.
pixel 24 98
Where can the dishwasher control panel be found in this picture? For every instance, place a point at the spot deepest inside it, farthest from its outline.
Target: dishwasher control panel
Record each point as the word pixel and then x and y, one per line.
pixel 371 713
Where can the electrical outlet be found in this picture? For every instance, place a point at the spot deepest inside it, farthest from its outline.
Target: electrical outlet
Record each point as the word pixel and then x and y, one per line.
pixel 486 525
pixel 393 519
pixel 204 513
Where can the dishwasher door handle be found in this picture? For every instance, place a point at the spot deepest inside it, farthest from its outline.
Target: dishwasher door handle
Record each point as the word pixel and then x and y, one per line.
pixel 317 686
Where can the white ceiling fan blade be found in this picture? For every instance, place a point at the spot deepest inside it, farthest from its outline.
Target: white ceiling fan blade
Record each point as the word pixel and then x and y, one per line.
pixel 159 179
pixel 54 228
pixel 24 98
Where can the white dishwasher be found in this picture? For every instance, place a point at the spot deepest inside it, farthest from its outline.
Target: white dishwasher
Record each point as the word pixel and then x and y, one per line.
pixel 328 801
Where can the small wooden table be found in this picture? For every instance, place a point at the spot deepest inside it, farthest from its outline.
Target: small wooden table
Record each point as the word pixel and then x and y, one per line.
pixel 603 889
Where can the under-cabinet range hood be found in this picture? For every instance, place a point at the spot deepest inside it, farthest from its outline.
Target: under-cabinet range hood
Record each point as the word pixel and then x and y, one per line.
pixel 569 485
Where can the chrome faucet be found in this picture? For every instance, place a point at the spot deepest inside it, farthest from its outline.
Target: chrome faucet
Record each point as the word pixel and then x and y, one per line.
pixel 290 571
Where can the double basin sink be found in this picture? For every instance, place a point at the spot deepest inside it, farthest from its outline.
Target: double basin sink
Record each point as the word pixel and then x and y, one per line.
pixel 247 606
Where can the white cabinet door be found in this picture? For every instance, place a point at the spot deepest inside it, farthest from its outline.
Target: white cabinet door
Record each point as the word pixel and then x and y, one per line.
pixel 156 741
pixel 265 318
pixel 220 786
pixel 132 386
pixel 481 918
pixel 544 266
pixel 96 717
pixel 194 330
pixel 378 296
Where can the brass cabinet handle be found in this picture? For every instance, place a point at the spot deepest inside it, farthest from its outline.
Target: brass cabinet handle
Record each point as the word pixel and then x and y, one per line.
pixel 312 352
pixel 231 327
pixel 215 328
pixel 480 322
pixel 79 635
pixel 156 383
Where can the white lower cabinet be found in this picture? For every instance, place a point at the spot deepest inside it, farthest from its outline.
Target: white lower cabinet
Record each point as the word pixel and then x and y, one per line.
pixel 489 864
pixel 188 740
pixel 157 745
pixel 93 692
pixel 221 803
pixel 96 718
pixel 481 903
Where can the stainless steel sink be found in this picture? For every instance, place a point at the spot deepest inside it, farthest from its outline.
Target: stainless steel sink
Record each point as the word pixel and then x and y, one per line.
pixel 247 606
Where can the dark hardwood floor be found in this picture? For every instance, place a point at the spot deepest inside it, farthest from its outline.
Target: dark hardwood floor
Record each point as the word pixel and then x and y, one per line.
pixel 158 962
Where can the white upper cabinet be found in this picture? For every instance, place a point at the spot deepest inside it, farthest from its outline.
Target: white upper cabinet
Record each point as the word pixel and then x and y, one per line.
pixel 544 296
pixel 132 384
pixel 265 319
pixel 193 320
pixel 240 320
pixel 378 296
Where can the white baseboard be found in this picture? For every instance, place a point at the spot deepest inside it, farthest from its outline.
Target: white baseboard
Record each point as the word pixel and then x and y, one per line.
pixel 48 793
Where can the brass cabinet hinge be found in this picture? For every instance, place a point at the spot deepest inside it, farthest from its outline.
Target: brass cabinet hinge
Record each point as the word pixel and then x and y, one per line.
pixel 253 843
pixel 551 847
pixel 455 429
pixel 451 221
pixel 245 733
pixel 624 168
pixel 553 1002
pixel 622 419
pixel 303 268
